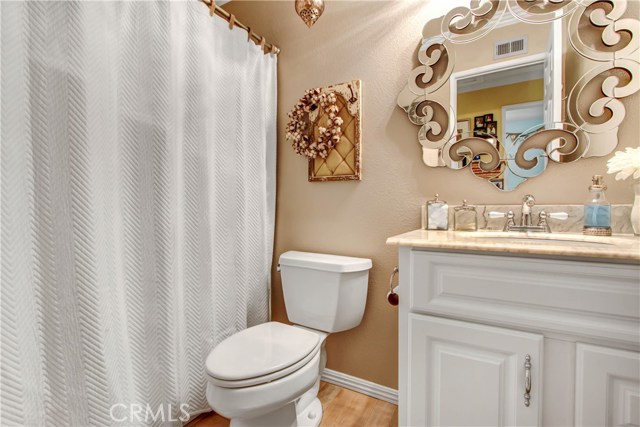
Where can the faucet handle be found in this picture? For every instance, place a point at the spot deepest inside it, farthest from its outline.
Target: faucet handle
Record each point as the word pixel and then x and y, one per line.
pixel 510 222
pixel 542 222
pixel 554 215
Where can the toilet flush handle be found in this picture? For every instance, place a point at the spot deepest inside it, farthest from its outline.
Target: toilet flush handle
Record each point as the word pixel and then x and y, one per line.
pixel 392 297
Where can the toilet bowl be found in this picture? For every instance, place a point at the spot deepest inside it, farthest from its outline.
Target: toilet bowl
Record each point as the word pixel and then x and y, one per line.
pixel 264 370
pixel 269 374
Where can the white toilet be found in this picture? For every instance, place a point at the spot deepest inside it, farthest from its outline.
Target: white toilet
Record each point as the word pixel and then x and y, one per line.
pixel 269 374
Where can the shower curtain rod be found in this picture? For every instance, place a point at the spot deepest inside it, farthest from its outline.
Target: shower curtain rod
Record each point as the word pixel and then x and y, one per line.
pixel 231 19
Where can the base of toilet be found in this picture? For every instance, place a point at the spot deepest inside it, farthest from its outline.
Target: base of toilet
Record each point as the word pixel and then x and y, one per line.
pixel 309 406
pixel 311 415
pixel 282 417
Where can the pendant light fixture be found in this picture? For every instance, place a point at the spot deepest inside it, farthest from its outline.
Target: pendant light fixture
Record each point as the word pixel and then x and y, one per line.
pixel 309 10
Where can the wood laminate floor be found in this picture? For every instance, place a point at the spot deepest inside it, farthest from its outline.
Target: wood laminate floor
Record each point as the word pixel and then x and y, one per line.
pixel 341 407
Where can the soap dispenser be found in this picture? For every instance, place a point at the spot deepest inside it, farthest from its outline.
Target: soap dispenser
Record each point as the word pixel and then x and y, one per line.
pixel 597 211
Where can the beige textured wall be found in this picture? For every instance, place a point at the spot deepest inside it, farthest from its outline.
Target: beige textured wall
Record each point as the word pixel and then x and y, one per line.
pixel 376 41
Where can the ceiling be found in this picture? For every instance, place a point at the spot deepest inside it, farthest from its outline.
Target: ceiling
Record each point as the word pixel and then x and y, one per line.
pixel 501 78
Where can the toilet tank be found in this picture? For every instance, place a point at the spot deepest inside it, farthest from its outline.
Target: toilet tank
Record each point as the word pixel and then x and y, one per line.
pixel 324 292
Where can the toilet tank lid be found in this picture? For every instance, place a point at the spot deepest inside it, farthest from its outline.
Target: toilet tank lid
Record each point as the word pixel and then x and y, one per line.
pixel 325 262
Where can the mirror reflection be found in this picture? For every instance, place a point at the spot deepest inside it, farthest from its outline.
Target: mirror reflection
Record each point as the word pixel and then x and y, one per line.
pixel 505 102
pixel 502 107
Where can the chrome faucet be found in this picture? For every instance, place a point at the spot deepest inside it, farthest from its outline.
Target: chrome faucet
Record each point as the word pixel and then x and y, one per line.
pixel 526 223
pixel 527 203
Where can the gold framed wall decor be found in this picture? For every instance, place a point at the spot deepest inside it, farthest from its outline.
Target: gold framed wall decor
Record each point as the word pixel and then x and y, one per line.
pixel 344 162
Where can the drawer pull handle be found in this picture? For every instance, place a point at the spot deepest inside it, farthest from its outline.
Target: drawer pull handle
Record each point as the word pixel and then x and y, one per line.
pixel 527 380
pixel 392 296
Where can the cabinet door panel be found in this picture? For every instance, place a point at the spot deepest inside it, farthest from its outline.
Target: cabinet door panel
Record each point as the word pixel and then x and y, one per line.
pixel 607 386
pixel 464 374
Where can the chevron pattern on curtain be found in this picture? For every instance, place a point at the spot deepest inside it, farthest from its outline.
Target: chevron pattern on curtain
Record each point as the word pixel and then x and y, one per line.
pixel 138 200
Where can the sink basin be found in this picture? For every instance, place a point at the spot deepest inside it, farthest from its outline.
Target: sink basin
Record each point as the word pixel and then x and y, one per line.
pixel 547 238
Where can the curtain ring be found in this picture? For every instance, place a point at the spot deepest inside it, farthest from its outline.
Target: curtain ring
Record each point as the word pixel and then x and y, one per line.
pixel 232 21
pixel 263 42
pixel 248 34
pixel 274 49
pixel 212 8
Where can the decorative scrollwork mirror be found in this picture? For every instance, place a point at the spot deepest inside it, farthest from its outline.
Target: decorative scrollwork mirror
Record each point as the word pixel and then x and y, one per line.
pixel 556 71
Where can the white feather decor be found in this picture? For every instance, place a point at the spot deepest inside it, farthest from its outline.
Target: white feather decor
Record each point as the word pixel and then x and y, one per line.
pixel 625 164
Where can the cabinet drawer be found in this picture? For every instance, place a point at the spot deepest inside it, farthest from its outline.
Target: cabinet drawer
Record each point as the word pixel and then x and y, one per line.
pixel 585 299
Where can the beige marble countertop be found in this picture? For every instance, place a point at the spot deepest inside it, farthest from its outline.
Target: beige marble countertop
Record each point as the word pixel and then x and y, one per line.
pixel 622 248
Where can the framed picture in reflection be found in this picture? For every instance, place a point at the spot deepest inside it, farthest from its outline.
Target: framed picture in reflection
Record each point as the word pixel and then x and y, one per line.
pixel 488 118
pixel 478 122
pixel 499 183
pixel 492 128
pixel 462 129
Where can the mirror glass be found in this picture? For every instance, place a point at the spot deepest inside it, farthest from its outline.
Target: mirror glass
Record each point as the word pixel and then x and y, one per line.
pixel 504 88
pixel 503 107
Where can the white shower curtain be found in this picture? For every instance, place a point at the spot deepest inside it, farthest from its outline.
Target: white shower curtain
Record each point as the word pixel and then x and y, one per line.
pixel 138 184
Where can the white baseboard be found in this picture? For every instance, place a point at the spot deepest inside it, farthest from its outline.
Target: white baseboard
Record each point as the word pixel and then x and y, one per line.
pixel 361 386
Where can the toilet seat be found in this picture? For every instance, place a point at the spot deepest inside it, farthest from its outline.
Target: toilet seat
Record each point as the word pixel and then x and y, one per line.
pixel 261 354
pixel 266 378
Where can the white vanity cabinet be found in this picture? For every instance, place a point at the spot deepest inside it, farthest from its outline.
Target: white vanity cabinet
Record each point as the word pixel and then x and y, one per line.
pixel 479 330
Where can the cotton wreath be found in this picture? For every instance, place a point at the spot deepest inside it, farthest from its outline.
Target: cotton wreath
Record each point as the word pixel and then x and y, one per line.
pixel 298 130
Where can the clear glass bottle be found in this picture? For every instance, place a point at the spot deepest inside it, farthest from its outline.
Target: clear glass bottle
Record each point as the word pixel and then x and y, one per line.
pixel 597 211
pixel 465 217
pixel 437 214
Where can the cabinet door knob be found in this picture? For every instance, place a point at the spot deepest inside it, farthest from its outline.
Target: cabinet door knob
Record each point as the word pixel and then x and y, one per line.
pixel 527 380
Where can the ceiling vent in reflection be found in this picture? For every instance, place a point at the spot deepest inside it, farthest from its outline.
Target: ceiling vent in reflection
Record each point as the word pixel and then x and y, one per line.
pixel 511 47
